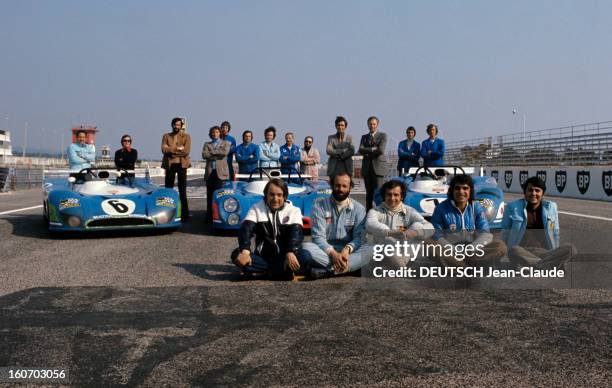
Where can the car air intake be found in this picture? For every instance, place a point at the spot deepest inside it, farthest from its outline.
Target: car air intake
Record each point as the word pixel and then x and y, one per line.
pixel 119 222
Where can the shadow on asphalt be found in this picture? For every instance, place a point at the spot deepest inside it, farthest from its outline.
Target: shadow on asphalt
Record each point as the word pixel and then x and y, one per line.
pixel 214 272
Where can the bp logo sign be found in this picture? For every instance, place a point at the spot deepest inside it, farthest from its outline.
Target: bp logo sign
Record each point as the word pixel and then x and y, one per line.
pixel 508 178
pixel 495 174
pixel 583 178
pixel 541 175
pixel 560 180
pixel 523 175
pixel 606 181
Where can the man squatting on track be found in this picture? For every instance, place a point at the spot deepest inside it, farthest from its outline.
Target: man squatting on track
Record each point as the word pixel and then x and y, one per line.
pixel 277 227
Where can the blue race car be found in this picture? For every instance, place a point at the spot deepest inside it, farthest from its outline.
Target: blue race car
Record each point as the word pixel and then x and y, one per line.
pixel 427 187
pixel 101 199
pixel 232 201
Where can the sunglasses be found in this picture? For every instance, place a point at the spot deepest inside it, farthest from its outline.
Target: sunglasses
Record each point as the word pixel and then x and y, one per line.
pixel 126 141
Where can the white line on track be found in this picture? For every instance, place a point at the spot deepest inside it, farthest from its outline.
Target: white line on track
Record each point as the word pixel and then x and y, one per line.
pixel 585 216
pixel 20 210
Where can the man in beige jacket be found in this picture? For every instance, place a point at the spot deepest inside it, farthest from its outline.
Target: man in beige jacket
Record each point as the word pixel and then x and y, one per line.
pixel 176 147
pixel 215 153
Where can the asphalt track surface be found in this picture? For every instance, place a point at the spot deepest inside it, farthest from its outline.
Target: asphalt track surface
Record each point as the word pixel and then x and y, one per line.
pixel 168 309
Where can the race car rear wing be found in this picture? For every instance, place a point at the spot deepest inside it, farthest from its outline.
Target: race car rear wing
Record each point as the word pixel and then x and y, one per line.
pixel 272 174
pixel 138 173
pixel 444 170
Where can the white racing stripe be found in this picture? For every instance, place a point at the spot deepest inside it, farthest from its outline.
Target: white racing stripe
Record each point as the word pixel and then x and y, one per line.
pixel 20 210
pixel 585 216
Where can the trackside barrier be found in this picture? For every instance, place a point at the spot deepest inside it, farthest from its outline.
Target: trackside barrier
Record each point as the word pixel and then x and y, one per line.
pixel 587 182
pixel 5 179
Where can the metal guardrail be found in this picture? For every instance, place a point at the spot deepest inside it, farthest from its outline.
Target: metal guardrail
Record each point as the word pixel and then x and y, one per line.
pixel 576 145
pixel 26 178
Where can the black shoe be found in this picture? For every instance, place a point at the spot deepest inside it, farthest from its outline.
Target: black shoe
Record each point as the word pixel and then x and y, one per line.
pixel 320 273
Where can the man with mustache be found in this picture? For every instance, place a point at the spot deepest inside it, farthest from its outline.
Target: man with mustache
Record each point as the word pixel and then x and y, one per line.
pixel 338 224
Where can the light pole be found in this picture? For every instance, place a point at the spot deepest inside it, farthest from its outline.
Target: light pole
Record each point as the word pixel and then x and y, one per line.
pixel 524 122
pixel 25 139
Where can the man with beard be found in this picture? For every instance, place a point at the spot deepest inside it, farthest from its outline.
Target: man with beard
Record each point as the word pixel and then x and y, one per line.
pixel 338 224
pixel 462 221
pixel 226 127
pixel 176 147
pixel 277 227
pixel 310 158
pixel 531 230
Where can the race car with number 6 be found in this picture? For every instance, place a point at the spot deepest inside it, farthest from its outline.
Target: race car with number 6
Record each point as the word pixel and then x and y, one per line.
pixel 103 199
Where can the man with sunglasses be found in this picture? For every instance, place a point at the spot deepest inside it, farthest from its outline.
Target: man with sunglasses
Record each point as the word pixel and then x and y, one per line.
pixel 126 156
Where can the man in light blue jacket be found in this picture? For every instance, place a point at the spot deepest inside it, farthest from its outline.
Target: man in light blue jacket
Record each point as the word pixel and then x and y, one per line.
pixel 80 154
pixel 338 225
pixel 269 152
pixel 531 230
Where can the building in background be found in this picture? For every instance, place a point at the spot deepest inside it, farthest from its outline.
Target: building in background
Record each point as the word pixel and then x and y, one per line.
pixel 5 143
pixel 89 130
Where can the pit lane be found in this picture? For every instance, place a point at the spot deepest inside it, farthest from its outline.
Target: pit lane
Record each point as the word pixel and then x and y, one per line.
pixel 155 309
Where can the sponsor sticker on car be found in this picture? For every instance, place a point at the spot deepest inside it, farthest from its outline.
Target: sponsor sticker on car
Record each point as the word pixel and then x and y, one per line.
pixel 69 203
pixel 165 201
pixel 224 192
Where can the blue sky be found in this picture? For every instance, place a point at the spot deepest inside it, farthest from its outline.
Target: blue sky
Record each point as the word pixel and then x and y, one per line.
pixel 132 66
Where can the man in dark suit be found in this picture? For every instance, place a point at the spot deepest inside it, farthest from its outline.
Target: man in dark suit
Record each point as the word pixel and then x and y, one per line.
pixel 374 164
pixel 340 149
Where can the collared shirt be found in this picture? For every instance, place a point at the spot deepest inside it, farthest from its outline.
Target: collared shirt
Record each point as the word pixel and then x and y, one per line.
pixel 336 229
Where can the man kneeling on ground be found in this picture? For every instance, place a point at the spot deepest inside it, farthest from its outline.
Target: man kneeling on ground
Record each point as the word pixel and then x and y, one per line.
pixel 394 221
pixel 462 221
pixel 338 223
pixel 277 227
pixel 531 230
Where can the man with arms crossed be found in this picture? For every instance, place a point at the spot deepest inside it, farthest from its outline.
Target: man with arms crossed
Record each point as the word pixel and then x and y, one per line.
pixel 340 149
pixel 374 164
pixel 80 154
pixel 408 152
pixel 247 154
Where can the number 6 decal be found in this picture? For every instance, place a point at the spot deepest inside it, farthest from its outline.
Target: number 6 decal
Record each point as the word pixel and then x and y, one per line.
pixel 118 207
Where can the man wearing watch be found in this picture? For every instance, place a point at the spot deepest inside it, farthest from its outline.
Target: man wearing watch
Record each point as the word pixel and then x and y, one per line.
pixel 277 227
pixel 338 225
